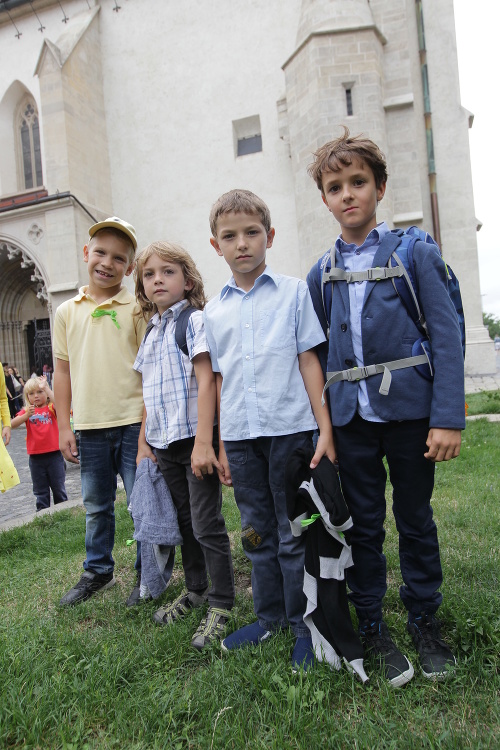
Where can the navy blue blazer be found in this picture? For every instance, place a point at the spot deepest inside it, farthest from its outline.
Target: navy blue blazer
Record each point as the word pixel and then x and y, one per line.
pixel 388 333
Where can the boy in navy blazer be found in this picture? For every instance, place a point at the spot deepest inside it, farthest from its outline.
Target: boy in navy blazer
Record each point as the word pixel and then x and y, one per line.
pixel 415 424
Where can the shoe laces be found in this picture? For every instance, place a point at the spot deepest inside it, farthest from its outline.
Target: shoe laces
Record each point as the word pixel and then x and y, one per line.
pixel 378 637
pixel 84 582
pixel 429 630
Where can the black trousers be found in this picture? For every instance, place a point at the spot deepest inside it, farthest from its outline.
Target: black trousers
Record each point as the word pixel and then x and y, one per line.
pixel 205 544
pixel 361 448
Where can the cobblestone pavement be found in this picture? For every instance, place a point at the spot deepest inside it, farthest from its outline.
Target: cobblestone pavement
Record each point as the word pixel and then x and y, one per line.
pixel 17 506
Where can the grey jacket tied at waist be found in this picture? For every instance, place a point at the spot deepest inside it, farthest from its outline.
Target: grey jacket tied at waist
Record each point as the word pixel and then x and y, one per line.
pixel 155 524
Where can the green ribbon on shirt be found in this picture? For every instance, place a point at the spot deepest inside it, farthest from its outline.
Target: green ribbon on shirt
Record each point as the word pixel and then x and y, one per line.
pixel 112 313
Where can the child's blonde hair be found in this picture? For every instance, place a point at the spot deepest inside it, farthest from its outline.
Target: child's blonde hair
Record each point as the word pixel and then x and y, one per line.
pixel 172 253
pixel 32 385
pixel 239 201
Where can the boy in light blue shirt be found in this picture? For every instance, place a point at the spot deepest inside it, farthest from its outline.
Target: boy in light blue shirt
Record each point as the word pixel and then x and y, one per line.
pixel 261 332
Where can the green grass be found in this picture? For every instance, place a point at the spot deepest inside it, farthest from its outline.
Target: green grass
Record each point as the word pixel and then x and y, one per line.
pixel 485 402
pixel 101 676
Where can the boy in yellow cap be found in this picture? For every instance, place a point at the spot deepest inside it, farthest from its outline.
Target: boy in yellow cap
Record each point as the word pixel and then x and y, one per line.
pixel 96 339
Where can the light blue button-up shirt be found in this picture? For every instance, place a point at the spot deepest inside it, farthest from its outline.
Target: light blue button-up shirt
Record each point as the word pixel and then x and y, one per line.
pixel 255 338
pixel 359 258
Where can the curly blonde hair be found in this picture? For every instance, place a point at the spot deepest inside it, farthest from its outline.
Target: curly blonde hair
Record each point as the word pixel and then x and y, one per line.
pixel 172 253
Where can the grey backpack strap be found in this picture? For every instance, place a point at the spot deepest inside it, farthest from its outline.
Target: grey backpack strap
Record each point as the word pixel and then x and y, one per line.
pixel 420 320
pixel 325 278
pixel 361 373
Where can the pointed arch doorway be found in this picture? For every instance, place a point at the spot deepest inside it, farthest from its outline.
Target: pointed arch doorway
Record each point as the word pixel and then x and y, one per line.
pixel 25 340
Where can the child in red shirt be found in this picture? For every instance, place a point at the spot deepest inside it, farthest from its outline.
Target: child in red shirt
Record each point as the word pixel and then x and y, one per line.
pixel 48 470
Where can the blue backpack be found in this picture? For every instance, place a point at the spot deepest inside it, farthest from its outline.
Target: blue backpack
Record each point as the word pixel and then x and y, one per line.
pixel 401 271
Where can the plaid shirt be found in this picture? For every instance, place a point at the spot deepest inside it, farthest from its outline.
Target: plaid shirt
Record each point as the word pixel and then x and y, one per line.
pixel 168 380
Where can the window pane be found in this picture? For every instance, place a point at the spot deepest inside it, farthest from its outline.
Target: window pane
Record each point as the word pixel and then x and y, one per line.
pixel 38 154
pixel 26 147
pixel 348 101
pixel 249 145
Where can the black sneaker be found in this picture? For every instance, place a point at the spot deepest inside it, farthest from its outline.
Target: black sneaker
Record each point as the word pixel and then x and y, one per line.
pixel 377 641
pixel 436 659
pixel 89 584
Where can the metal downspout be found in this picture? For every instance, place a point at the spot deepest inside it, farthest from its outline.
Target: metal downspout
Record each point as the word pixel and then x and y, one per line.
pixel 428 123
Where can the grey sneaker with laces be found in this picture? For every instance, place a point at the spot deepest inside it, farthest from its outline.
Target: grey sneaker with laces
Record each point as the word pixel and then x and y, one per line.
pixel 211 628
pixel 180 607
pixel 436 660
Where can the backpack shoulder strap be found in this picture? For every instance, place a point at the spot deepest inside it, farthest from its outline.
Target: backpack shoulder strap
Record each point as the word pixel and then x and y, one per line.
pixel 406 286
pixel 181 328
pixel 324 268
pixel 148 330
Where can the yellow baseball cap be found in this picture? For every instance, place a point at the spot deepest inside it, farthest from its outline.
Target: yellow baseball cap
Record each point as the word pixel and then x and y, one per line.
pixel 115 223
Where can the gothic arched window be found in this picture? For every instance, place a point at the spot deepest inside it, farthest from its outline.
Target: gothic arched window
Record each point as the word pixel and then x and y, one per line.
pixel 28 130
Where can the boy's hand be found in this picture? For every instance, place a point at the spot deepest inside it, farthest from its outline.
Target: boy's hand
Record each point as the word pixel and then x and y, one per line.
pixel 29 412
pixel 6 435
pixel 144 451
pixel 443 444
pixel 325 447
pixel 203 459
pixel 224 472
pixel 67 445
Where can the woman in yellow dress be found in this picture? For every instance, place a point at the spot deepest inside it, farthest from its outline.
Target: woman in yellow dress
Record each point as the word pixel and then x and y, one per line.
pixel 8 473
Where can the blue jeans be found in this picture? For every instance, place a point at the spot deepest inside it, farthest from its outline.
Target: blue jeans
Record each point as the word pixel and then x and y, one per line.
pixel 48 472
pixel 105 453
pixel 258 472
pixel 361 447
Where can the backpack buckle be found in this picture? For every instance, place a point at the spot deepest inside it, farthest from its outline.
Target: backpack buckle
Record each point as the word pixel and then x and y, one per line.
pixel 375 274
pixel 356 373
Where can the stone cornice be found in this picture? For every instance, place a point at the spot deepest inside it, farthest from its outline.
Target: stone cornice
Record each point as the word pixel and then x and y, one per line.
pixel 332 32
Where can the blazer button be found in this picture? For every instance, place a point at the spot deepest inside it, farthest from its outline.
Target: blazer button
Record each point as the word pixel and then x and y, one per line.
pixel 343 327
pixel 349 362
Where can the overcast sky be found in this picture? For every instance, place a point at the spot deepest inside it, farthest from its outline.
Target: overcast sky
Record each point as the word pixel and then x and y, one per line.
pixel 477 25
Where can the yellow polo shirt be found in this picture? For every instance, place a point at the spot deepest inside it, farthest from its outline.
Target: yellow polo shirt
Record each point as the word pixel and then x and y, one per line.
pixel 101 351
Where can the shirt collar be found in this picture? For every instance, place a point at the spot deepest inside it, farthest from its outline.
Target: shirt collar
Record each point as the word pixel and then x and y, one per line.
pixel 122 298
pixel 172 312
pixel 373 238
pixel 266 274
